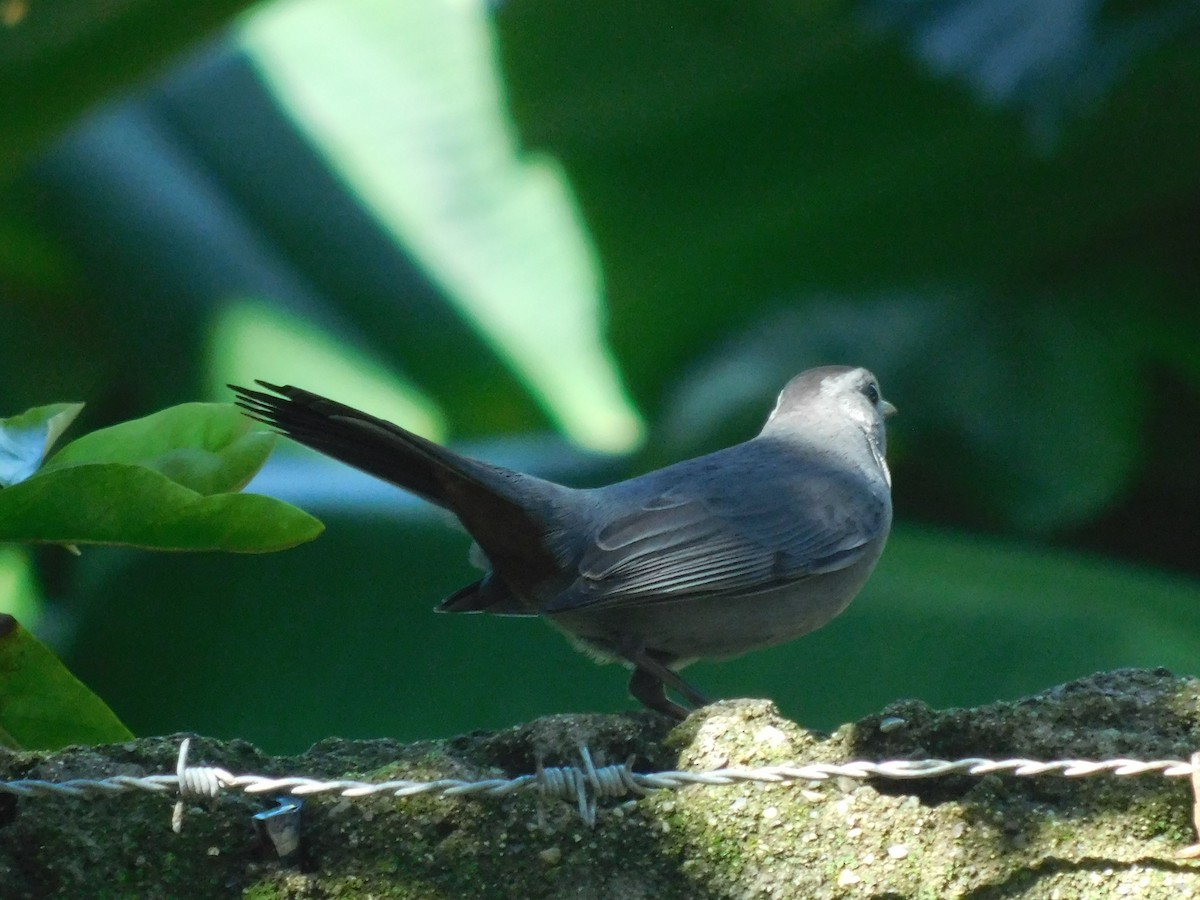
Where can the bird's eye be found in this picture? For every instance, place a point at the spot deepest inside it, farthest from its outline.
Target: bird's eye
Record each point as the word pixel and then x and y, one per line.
pixel 872 393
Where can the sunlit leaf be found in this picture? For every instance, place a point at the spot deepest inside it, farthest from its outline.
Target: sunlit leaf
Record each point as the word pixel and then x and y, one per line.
pixel 42 705
pixel 404 102
pixel 113 503
pixel 207 447
pixel 253 340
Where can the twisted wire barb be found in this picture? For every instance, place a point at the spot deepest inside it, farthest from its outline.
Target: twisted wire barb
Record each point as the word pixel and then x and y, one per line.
pixel 586 785
pixel 567 782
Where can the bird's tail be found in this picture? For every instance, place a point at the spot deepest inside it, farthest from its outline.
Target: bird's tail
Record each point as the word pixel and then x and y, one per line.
pixel 499 508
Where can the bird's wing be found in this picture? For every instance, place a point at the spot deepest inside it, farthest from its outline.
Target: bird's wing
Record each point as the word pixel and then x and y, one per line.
pixel 675 546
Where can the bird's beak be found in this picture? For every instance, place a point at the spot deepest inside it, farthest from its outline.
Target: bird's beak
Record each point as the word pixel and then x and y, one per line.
pixel 888 409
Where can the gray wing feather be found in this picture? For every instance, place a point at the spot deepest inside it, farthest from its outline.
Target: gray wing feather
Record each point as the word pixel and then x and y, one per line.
pixel 675 546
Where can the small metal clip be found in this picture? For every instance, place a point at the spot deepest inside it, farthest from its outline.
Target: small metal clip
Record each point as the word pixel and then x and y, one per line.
pixel 280 829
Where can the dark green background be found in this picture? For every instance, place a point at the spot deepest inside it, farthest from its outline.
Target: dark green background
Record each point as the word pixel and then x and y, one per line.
pixel 767 187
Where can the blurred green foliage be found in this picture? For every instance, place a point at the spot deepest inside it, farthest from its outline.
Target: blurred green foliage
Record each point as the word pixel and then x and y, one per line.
pixel 586 216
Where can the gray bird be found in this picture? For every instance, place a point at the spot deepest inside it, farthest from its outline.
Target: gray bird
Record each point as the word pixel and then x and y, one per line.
pixel 711 557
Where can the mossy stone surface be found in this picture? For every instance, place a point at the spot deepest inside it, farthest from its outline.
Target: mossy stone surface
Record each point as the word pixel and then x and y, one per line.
pixel 960 836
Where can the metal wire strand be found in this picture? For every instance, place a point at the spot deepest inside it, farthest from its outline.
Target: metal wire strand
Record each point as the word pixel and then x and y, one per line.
pixel 587 784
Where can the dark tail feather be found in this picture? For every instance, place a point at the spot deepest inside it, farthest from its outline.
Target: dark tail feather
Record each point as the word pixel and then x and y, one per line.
pixel 483 497
pixel 373 445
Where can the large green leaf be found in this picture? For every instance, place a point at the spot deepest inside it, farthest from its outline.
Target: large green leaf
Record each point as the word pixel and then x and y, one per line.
pixel 161 482
pixel 207 447
pixel 42 705
pixel 404 103
pixel 114 503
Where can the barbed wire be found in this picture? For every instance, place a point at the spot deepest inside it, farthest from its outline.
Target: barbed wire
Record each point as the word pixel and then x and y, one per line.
pixel 587 784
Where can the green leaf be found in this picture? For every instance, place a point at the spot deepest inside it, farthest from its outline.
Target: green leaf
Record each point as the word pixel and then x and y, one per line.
pixel 42 705
pixel 161 482
pixel 207 447
pixel 25 439
pixel 130 505
pixel 404 102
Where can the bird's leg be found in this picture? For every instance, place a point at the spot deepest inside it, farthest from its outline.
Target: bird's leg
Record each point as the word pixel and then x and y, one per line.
pixel 650 679
pixel 647 689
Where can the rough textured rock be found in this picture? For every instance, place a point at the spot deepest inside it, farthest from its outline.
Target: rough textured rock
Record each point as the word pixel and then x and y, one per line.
pixel 960 836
